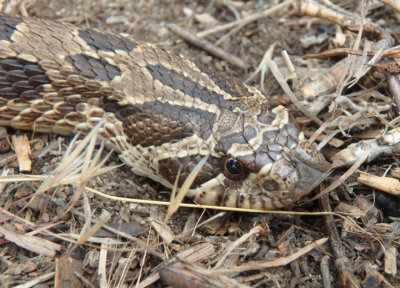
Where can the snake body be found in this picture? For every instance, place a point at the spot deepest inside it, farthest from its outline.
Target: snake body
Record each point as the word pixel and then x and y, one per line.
pixel 160 112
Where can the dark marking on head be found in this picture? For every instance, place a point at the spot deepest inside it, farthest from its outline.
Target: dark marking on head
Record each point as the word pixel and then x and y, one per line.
pixel 106 41
pixel 175 80
pixel 266 117
pixel 169 169
pixel 21 79
pixel 93 68
pixel 155 123
pixel 225 143
pixel 7 26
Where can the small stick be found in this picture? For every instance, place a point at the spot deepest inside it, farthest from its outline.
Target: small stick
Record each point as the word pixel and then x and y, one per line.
pixel 342 263
pixel 207 46
pixel 290 66
pixel 325 271
pixel 247 20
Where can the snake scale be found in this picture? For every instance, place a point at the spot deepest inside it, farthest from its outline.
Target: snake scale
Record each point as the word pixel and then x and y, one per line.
pixel 160 112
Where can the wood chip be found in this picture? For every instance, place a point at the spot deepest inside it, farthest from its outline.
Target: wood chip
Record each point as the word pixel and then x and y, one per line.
pixel 391 260
pixel 32 243
pixel 23 150
pixel 65 272
pixel 163 230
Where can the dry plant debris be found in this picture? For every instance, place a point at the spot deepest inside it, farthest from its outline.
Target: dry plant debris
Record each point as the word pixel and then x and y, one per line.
pixel 77 220
pixel 22 150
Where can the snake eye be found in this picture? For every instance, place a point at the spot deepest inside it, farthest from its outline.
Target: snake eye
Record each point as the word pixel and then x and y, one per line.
pixel 234 170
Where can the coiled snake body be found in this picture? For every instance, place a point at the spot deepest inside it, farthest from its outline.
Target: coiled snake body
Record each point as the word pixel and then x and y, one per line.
pixel 160 112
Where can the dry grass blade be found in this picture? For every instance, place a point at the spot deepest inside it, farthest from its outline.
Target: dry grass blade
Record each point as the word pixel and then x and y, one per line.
pixel 77 166
pixel 184 274
pixel 363 69
pixel 36 281
pixel 83 238
pixel 351 64
pixel 143 261
pixel 102 270
pixel 176 201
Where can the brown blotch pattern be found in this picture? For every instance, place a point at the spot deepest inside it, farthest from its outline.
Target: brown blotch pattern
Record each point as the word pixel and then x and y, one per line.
pixel 20 79
pixel 155 123
pixel 178 81
pixel 106 41
pixel 7 26
pixel 90 67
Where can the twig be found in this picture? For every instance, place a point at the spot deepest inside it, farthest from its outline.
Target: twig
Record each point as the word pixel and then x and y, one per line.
pixel 325 271
pixel 246 20
pixel 207 46
pixel 290 66
pixel 342 263
pixel 37 280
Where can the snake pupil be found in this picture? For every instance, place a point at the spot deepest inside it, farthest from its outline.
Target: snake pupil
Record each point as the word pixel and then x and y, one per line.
pixel 234 167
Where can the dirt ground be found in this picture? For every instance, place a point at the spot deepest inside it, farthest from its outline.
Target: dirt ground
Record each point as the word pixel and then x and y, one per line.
pixel 356 246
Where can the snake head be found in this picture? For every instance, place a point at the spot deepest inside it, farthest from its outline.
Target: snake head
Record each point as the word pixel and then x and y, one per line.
pixel 266 165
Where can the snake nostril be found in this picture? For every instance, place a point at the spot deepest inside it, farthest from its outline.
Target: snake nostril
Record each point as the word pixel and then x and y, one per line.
pixel 285 194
